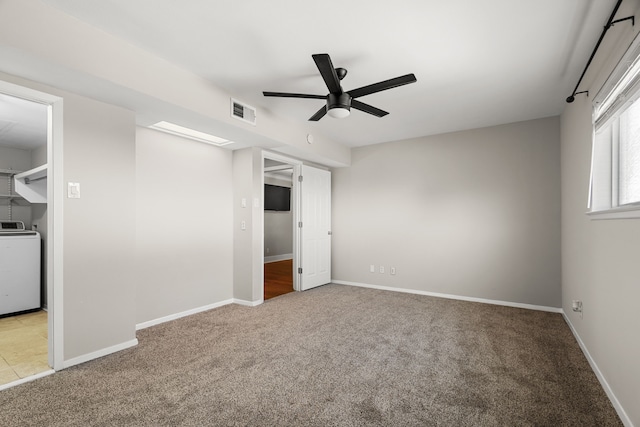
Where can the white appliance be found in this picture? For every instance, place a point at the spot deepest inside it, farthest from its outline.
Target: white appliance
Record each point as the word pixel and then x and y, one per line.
pixel 19 268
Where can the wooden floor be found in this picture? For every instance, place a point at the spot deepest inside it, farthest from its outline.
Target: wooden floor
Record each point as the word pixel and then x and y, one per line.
pixel 278 278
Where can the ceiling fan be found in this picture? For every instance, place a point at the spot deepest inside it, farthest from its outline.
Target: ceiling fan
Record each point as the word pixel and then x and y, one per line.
pixel 339 102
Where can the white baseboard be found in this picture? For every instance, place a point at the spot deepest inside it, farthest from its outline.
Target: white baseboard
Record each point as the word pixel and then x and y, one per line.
pixel 450 296
pixel 248 303
pixel 175 316
pixel 27 379
pixel 96 354
pixel 275 258
pixel 143 325
pixel 605 385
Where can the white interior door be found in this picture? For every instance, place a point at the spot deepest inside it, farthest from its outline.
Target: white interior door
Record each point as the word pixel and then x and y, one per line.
pixel 315 232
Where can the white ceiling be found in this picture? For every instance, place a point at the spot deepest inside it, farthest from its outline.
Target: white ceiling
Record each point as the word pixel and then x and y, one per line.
pixel 23 124
pixel 478 62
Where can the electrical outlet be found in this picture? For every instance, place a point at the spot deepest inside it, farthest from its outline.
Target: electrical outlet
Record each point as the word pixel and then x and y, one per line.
pixel 267 250
pixel 381 269
pixel 372 268
pixel 392 271
pixel 243 225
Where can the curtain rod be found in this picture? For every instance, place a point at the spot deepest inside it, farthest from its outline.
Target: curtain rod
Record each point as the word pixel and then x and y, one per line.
pixel 610 23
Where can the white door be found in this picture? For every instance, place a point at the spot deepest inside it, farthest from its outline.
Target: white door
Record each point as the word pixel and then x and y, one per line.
pixel 315 232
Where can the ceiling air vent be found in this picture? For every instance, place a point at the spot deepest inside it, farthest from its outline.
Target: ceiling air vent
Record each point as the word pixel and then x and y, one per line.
pixel 243 112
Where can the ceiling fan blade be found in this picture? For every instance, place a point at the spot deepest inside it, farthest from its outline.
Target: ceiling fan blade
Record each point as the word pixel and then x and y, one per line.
pixel 380 86
pixel 294 95
pixel 319 114
pixel 328 72
pixel 368 108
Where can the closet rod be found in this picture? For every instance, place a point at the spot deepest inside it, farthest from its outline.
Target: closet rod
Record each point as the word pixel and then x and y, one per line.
pixel 610 23
pixel 30 180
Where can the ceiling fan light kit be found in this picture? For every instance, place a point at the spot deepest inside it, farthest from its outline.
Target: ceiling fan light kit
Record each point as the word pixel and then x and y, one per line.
pixel 339 106
pixel 339 102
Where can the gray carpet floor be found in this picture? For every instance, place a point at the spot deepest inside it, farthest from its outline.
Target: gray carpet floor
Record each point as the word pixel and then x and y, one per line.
pixel 331 356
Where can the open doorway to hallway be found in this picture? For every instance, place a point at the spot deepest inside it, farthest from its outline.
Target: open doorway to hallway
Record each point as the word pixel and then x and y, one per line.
pixel 278 228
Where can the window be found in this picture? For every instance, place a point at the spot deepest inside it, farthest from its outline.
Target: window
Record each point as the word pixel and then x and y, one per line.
pixel 614 190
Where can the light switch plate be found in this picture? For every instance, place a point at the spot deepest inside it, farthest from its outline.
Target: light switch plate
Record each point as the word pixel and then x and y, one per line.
pixel 73 190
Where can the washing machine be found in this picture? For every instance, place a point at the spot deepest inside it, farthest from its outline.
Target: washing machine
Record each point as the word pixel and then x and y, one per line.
pixel 19 268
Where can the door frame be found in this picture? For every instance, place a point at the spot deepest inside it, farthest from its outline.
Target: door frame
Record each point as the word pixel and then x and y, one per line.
pixel 55 202
pixel 295 206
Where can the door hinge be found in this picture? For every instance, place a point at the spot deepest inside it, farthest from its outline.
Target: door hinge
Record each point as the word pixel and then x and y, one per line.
pixel 300 224
pixel 300 178
pixel 299 270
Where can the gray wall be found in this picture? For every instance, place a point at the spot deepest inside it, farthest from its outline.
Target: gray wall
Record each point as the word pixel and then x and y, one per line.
pixel 248 273
pixel 99 228
pixel 278 227
pixel 184 226
pixel 474 213
pixel 20 160
pixel 600 258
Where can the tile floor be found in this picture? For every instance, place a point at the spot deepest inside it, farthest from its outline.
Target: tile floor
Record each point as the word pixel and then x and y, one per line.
pixel 23 346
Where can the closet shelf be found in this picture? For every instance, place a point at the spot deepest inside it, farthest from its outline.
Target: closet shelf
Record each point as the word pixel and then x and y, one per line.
pixel 15 199
pixel 32 184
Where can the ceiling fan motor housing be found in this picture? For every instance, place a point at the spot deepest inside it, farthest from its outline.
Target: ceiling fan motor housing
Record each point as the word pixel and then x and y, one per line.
pixel 342 100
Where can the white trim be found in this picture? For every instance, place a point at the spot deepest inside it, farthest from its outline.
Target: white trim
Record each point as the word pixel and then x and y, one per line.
pixel 100 353
pixel 450 296
pixel 175 316
pixel 280 158
pixel 605 385
pixel 247 303
pixel 55 240
pixel 27 379
pixel 276 258
pixel 623 212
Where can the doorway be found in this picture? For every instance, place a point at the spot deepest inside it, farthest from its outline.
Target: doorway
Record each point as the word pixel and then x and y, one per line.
pixel 279 212
pixel 31 143
pixel 310 224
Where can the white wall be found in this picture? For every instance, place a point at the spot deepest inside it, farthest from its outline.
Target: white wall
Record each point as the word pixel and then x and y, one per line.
pixel 473 213
pixel 600 258
pixel 184 225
